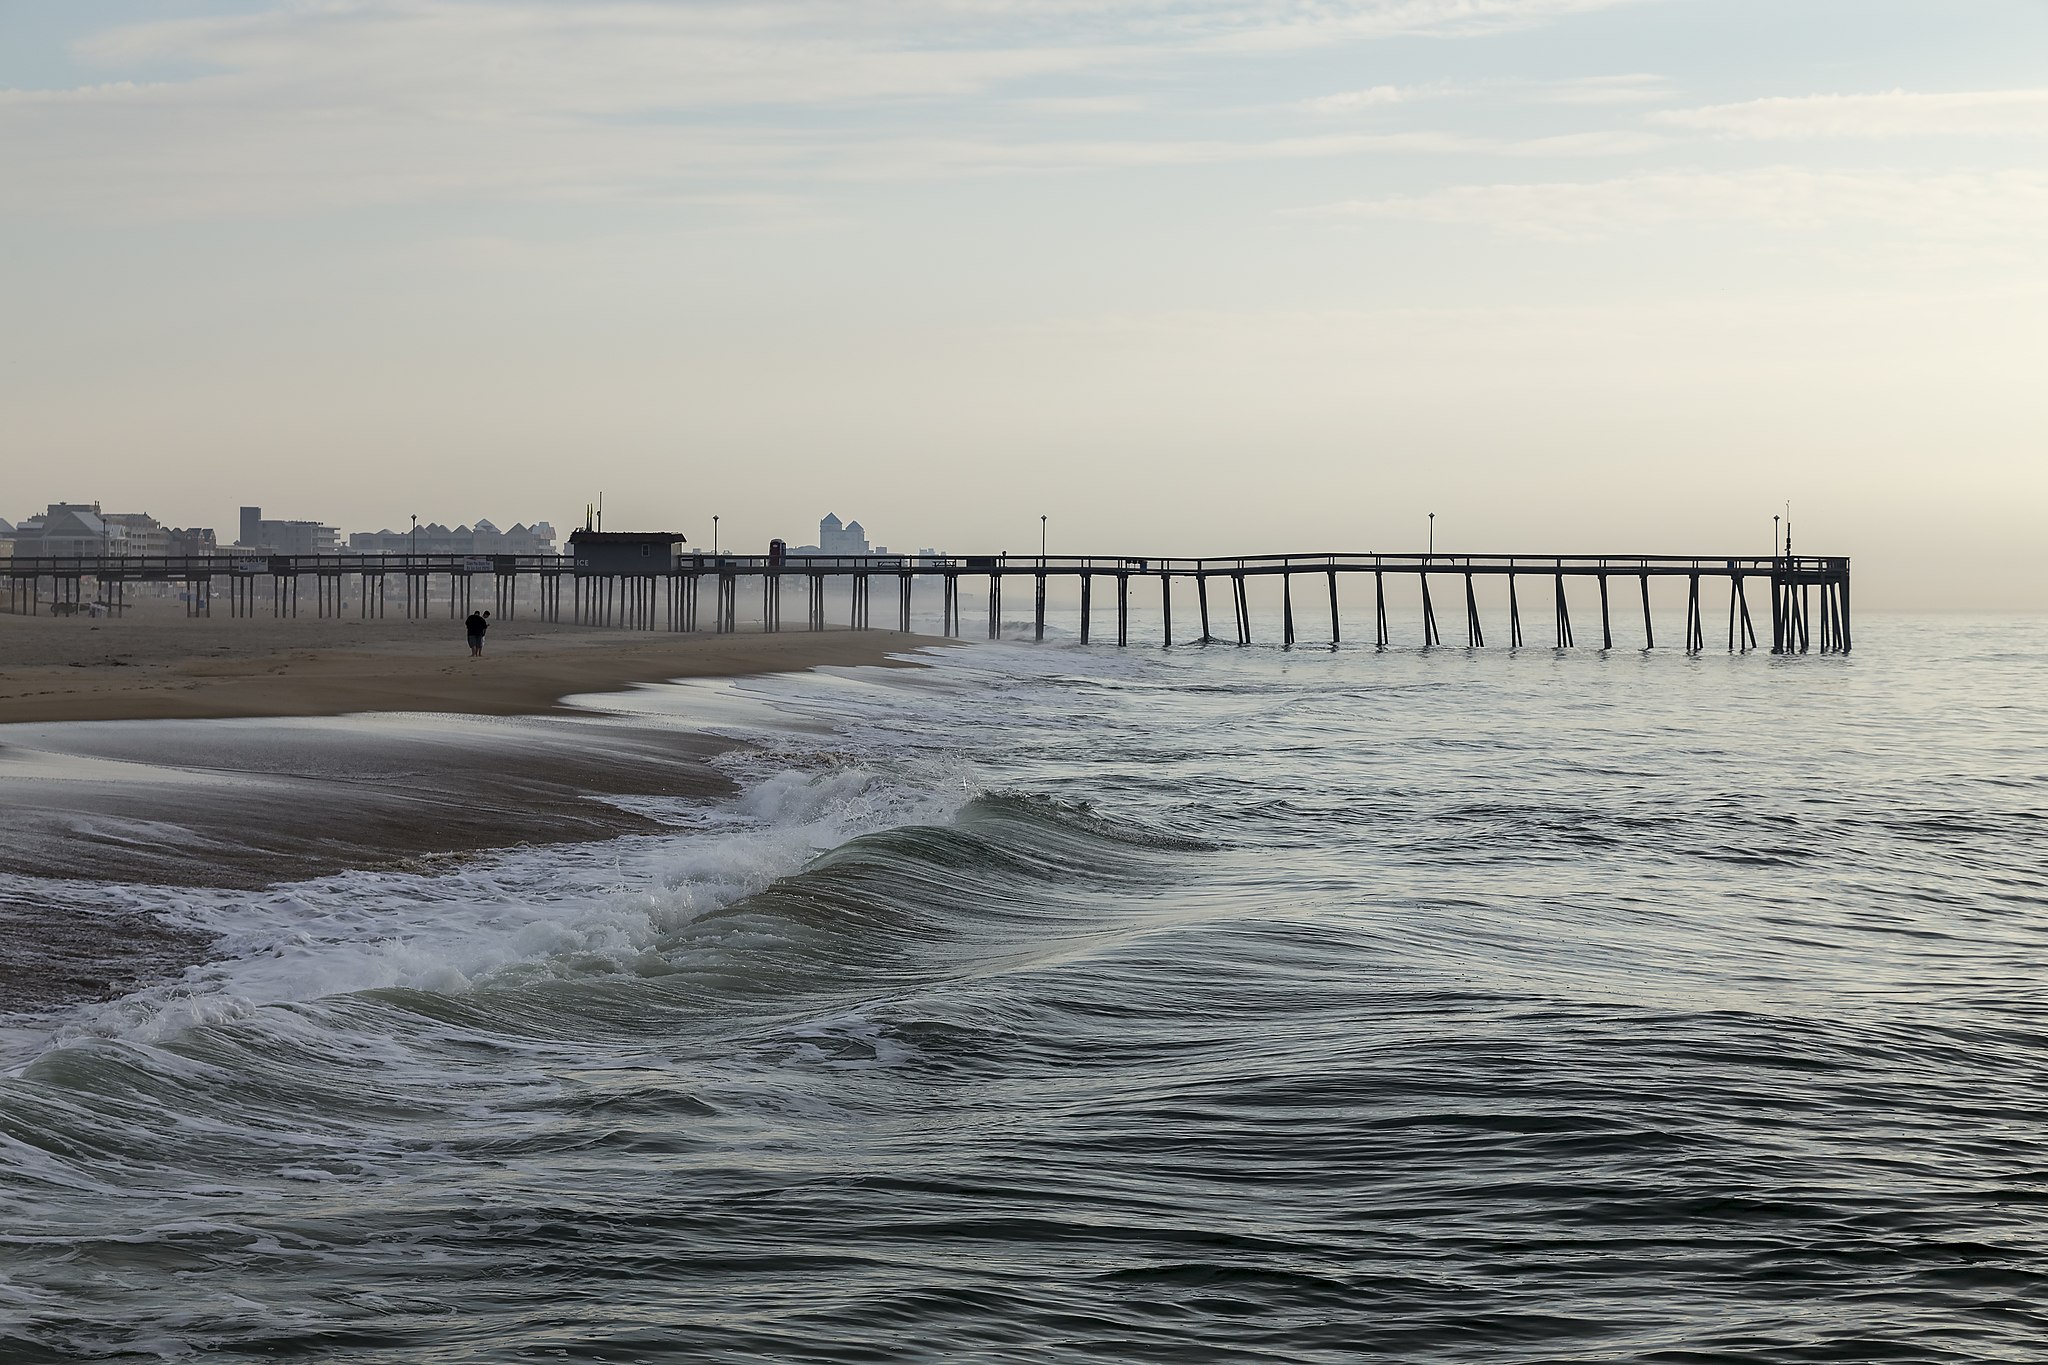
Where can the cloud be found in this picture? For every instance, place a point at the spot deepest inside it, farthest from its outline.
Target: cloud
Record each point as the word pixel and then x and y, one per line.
pixel 925 158
pixel 1959 206
pixel 1350 101
pixel 1308 23
pixel 1897 114
pixel 1356 99
pixel 1637 88
pixel 620 51
pixel 324 103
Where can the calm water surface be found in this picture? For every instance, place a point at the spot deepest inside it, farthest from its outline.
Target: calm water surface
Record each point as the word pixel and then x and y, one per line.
pixel 1083 1005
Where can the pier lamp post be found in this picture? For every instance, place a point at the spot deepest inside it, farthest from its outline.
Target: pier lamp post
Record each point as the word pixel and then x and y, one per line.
pixel 714 535
pixel 1041 540
pixel 414 552
pixel 1774 535
pixel 1432 535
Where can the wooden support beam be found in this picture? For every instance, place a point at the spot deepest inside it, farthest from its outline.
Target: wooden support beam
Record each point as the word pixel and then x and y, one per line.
pixel 1429 635
pixel 1379 609
pixel 1123 609
pixel 1649 630
pixel 1038 609
pixel 1087 590
pixel 1202 596
pixel 1287 610
pixel 1475 637
pixel 1848 635
pixel 1514 614
pixel 1696 639
pixel 1166 605
pixel 1606 622
pixel 1336 635
pixel 1564 617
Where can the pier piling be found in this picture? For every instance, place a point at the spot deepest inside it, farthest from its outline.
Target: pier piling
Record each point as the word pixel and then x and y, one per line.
pixel 670 597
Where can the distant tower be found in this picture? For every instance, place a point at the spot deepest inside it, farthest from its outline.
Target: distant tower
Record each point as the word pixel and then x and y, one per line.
pixel 252 524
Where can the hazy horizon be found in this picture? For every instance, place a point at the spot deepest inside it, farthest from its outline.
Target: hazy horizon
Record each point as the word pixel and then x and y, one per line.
pixel 1183 276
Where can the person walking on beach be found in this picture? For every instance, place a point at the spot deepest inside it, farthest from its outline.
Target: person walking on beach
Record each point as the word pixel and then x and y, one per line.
pixel 477 624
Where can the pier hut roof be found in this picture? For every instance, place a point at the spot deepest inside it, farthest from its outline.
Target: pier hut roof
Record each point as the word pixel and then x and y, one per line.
pixel 627 537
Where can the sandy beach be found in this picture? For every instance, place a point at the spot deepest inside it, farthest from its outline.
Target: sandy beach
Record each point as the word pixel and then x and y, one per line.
pixel 245 753
pixel 157 663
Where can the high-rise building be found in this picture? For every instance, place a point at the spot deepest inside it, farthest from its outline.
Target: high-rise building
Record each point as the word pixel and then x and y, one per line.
pixel 841 538
pixel 286 537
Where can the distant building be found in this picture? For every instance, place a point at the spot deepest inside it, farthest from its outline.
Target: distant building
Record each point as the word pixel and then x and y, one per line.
pixel 191 542
pixel 480 539
pixel 840 538
pixel 70 530
pixel 834 539
pixel 146 535
pixel 626 553
pixel 286 537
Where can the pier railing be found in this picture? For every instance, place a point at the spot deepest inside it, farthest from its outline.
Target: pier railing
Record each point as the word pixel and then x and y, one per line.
pixel 669 590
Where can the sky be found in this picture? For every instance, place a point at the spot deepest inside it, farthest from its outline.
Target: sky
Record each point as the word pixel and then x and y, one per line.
pixel 1180 276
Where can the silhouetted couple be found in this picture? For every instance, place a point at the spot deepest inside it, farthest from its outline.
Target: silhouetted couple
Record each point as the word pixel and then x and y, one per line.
pixel 477 624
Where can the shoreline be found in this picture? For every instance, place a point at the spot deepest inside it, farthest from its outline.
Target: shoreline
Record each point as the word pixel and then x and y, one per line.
pixel 161 665
pixel 166 753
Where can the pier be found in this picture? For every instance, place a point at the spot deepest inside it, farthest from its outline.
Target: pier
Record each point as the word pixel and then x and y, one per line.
pixel 1804 600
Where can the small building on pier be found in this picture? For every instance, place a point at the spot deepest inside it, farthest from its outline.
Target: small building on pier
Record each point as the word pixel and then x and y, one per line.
pixel 626 553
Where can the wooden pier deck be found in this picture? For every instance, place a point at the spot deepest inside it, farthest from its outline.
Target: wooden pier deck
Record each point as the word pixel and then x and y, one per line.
pixel 1807 597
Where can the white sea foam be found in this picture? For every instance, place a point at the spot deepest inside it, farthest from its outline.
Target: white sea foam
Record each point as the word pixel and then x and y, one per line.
pixel 523 914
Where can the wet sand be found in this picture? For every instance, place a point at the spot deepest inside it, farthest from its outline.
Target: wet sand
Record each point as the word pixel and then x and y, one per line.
pixel 159 751
pixel 156 663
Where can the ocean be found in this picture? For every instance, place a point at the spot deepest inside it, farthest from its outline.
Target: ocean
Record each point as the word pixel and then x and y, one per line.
pixel 1080 1004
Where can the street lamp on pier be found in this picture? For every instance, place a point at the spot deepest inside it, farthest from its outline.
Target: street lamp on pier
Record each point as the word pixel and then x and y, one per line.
pixel 714 535
pixel 1041 541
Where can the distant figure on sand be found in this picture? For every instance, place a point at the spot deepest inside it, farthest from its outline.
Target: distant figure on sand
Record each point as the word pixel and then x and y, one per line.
pixel 478 623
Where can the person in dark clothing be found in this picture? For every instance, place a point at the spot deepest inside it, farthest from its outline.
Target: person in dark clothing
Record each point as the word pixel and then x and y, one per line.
pixel 477 624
